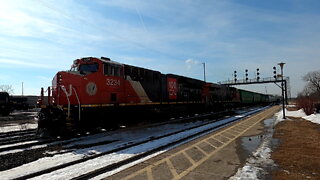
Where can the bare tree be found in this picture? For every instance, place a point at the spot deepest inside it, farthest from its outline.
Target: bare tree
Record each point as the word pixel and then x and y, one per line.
pixel 6 88
pixel 309 98
pixel 313 80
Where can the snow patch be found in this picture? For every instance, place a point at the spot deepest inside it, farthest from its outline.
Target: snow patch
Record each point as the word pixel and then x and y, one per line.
pixel 253 169
pixel 315 118
pixel 122 138
pixel 18 127
pixel 291 105
pixel 298 113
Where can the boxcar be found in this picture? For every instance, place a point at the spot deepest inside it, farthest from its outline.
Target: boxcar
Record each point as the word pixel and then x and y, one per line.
pixel 246 97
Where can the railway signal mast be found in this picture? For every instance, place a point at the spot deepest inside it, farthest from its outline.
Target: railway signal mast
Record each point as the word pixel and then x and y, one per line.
pixel 246 75
pixel 276 78
pixel 282 89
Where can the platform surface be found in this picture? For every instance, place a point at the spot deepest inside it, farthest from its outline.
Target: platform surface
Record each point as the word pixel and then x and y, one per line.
pixel 214 156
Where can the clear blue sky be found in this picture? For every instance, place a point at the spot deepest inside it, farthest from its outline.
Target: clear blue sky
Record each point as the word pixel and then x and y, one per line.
pixel 40 37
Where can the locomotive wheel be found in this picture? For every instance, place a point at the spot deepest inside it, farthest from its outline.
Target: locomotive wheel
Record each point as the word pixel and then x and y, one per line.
pixel 51 122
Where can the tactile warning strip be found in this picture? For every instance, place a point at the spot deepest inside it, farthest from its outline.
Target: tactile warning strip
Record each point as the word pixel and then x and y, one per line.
pixel 181 163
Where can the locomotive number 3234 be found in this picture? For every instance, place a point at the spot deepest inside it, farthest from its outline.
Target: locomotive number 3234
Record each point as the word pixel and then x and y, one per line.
pixel 113 82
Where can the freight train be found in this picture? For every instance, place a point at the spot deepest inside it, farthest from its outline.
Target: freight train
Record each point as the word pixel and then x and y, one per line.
pixel 10 103
pixel 99 92
pixel 5 107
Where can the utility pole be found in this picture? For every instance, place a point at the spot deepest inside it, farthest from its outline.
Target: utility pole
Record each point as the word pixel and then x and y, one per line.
pixel 282 89
pixel 266 89
pixel 204 72
pixel 22 88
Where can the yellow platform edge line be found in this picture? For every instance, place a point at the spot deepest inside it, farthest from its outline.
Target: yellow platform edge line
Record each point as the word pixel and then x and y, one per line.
pixel 182 174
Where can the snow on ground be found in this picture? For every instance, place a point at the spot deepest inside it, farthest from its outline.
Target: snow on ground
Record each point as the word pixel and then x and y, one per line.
pixel 122 139
pixel 254 167
pixel 16 144
pixel 315 118
pixel 291 105
pixel 260 159
pixel 17 127
pixel 82 168
pixel 18 121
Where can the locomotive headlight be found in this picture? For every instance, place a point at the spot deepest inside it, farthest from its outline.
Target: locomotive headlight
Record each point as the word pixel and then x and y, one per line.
pixel 59 78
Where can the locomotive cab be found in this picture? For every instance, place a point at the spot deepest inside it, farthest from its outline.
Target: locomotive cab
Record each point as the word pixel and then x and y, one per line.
pixel 86 69
pixel 84 66
pixel 89 81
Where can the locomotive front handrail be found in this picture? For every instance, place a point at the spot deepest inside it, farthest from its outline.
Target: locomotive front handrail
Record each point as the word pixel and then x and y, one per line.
pixel 78 103
pixel 67 95
pixel 49 95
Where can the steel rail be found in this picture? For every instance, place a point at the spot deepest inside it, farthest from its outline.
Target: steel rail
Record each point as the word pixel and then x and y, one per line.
pixel 118 164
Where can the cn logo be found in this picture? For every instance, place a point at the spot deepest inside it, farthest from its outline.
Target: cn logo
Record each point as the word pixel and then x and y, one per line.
pixel 172 88
pixel 91 88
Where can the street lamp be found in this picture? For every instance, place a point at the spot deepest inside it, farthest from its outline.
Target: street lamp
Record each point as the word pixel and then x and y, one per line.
pixel 282 89
pixel 204 72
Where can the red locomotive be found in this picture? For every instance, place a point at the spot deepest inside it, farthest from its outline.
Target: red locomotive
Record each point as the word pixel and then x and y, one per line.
pixel 99 92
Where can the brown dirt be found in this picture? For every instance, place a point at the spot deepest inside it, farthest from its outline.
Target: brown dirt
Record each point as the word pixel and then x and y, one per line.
pixel 298 155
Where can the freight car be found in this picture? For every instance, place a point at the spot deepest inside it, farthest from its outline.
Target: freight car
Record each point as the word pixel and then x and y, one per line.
pixel 248 97
pixel 99 92
pixel 19 103
pixel 4 103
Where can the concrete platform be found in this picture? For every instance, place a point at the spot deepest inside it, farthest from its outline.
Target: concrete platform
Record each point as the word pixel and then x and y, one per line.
pixel 214 156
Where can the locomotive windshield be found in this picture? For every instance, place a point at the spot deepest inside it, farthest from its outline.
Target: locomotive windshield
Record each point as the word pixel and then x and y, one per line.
pixel 88 68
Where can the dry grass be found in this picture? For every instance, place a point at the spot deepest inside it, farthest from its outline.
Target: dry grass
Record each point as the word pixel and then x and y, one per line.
pixel 298 155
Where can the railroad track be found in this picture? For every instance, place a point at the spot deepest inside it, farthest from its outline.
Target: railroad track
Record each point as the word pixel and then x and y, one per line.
pixel 17 133
pixel 171 144
pixel 22 143
pixel 17 139
pixel 25 144
pixel 184 136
